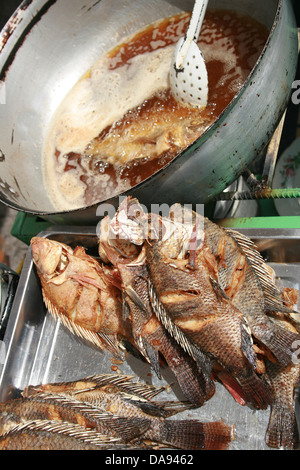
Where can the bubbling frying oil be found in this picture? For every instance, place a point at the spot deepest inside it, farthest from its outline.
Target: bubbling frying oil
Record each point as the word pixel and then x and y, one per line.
pixel 120 124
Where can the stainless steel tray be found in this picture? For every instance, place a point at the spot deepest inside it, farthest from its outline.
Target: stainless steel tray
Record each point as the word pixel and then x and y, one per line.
pixel 38 349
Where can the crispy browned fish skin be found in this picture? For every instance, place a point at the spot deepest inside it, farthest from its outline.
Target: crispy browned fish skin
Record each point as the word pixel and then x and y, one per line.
pixel 48 435
pixel 66 409
pixel 76 290
pixel 86 390
pixel 150 336
pixel 247 280
pixel 282 431
pixel 151 332
pixel 206 317
pixel 148 329
pixel 257 392
pixel 119 396
pixel 183 434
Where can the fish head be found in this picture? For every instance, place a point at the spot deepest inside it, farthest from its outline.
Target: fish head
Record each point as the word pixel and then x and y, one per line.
pixel 49 256
pixel 176 237
pixel 122 236
pixel 128 223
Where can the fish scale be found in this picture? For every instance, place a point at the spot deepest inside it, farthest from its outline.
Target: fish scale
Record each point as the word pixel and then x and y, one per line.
pixel 60 408
pixel 211 323
pixel 216 297
pixel 50 435
pixel 257 294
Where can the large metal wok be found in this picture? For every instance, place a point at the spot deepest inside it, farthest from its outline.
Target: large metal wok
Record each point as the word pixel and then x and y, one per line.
pixel 47 46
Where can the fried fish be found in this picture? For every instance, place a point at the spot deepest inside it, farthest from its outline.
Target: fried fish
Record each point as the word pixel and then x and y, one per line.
pixel 75 290
pixel 190 297
pixel 150 336
pixel 68 409
pixel 51 435
pixel 249 283
pixel 134 401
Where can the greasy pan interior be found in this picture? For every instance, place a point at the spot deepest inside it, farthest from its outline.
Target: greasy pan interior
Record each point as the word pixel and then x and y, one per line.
pixel 49 44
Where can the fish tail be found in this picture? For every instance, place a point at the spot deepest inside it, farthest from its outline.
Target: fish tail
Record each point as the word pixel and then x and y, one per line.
pixel 256 392
pixel 282 431
pixel 196 385
pixel 194 435
pixel 193 384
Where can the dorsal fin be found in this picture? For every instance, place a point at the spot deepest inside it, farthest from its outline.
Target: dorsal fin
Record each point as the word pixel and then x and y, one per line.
pixel 100 340
pixel 126 427
pixel 143 390
pixel 272 295
pixel 67 429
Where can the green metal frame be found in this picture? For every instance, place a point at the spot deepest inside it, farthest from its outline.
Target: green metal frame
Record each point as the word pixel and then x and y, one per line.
pixel 27 226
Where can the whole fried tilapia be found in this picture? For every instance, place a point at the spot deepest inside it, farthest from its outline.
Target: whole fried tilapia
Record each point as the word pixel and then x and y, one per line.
pixel 151 338
pixel 116 395
pixel 284 381
pixel 76 290
pixel 68 409
pixel 282 431
pixel 51 435
pixel 186 293
pixel 249 282
pixel 87 388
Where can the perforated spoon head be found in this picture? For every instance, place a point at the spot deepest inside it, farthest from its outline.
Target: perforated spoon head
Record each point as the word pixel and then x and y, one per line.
pixel 189 82
pixel 188 75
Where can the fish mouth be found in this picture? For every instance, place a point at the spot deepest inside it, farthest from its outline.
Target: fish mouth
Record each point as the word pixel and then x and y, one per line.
pixel 50 257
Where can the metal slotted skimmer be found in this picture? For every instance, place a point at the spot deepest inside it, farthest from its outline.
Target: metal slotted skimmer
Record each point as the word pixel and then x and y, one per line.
pixel 188 75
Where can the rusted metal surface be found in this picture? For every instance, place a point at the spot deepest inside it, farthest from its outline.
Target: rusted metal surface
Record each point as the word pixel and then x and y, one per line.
pixel 11 27
pixel 13 22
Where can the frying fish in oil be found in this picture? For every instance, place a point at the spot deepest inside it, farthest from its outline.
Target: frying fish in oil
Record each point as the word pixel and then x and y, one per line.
pixel 50 435
pixel 75 290
pixel 133 401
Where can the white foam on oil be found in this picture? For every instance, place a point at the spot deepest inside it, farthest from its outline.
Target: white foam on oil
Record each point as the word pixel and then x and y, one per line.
pixel 105 96
pixel 94 103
